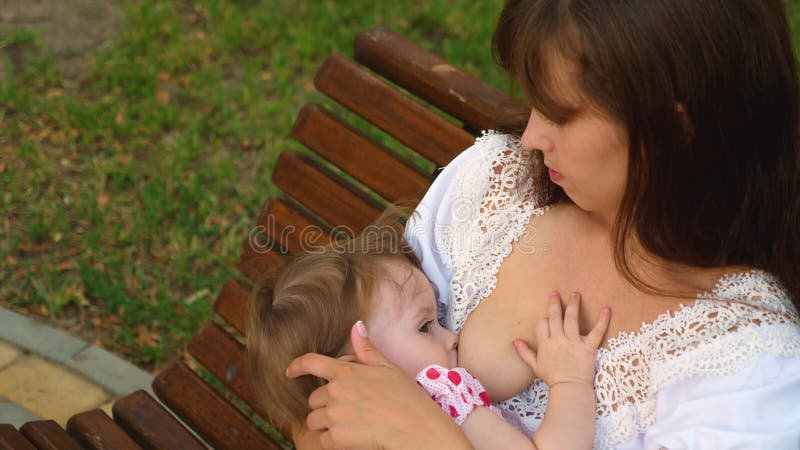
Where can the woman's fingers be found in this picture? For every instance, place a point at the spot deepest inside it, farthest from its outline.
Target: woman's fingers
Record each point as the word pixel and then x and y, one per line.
pixel 318 419
pixel 555 316
pixel 319 397
pixel 326 441
pixel 571 328
pixel 526 353
pixel 595 337
pixel 363 348
pixel 326 367
pixel 314 364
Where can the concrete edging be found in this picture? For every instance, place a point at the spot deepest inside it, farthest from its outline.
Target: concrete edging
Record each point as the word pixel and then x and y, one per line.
pixel 101 366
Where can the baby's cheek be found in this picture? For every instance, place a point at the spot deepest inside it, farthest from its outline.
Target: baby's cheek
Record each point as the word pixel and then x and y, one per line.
pixel 412 363
pixel 401 354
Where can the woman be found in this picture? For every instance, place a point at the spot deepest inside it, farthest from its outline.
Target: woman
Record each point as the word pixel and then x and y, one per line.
pixel 658 174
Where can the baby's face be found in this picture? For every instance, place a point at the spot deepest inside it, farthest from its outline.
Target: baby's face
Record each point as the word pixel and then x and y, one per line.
pixel 403 323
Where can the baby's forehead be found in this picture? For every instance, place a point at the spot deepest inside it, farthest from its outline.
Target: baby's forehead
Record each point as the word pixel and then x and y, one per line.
pixel 399 289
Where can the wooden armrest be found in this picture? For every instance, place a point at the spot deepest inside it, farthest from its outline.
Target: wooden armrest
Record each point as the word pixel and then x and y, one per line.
pixel 449 88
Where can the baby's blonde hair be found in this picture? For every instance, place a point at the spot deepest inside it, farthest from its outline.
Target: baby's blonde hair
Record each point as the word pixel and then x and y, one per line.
pixel 310 307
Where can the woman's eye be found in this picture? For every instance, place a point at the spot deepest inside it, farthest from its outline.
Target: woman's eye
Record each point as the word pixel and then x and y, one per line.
pixel 556 122
pixel 426 327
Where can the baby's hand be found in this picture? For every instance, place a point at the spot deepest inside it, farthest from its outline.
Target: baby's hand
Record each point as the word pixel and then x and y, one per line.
pixel 563 355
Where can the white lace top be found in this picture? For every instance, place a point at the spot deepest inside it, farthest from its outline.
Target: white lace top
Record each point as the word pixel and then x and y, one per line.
pixel 721 373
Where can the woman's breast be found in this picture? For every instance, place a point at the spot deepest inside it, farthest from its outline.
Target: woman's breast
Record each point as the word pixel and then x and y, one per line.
pixel 549 261
pixel 485 343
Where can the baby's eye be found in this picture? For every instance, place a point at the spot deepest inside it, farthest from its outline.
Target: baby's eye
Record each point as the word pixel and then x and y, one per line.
pixel 426 327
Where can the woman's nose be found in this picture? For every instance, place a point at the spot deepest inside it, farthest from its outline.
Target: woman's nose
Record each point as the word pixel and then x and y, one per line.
pixel 536 134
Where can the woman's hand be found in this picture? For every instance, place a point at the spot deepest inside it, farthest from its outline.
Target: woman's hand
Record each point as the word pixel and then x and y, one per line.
pixel 372 405
pixel 563 355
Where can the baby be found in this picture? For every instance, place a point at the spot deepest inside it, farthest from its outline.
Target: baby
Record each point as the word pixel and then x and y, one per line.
pixel 312 305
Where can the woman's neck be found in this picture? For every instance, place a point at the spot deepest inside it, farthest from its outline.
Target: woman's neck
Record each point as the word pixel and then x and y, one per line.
pixel 656 272
pixel 670 276
pixel 602 218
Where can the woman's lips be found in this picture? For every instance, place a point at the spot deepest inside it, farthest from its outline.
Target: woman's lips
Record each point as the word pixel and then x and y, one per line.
pixel 554 176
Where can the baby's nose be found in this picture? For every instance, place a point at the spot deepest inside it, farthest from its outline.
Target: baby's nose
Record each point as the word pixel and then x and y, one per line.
pixel 454 337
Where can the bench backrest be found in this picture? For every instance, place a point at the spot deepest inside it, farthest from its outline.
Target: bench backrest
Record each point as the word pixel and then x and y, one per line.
pixel 223 410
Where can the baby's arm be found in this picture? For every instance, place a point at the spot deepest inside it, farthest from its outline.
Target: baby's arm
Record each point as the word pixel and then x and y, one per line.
pixel 565 360
pixel 463 398
pixel 487 431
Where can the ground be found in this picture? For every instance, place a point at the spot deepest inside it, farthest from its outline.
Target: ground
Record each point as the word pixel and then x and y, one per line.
pixel 71 29
pixel 137 139
pixel 69 32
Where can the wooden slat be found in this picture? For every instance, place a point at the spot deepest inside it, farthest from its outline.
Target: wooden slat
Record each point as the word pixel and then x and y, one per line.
pixel 95 430
pixel 224 356
pixel 231 304
pixel 11 439
pixel 291 229
pixel 151 426
pixel 48 435
pixel 354 153
pixel 323 192
pixel 287 229
pixel 254 263
pixel 451 89
pixel 211 416
pixel 397 114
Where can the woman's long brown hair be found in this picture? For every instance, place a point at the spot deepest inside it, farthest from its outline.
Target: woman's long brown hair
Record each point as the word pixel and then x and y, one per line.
pixel 717 190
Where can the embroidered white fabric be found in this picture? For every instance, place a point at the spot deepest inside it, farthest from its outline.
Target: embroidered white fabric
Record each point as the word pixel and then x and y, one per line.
pixel 747 315
pixel 485 227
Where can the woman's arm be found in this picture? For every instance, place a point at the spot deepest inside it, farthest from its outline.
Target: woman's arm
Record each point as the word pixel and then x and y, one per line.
pixel 373 405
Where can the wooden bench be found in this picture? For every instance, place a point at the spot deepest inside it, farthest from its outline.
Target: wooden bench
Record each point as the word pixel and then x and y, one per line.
pixel 216 401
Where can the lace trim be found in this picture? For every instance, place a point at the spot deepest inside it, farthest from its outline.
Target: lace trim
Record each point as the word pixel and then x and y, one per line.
pixel 745 316
pixel 496 199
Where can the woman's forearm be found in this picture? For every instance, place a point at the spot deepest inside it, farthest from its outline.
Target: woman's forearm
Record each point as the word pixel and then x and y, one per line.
pixel 438 434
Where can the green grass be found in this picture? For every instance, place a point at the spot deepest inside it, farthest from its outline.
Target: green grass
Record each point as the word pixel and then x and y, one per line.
pixel 127 193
